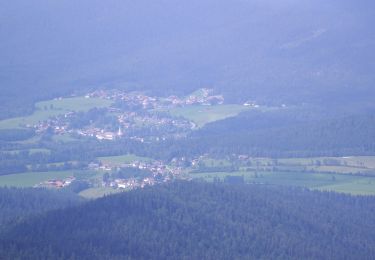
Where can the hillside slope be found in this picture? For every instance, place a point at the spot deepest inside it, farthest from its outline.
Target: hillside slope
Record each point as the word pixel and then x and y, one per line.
pixel 202 221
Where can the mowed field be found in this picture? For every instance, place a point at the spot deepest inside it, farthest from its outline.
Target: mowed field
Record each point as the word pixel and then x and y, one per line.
pixel 30 151
pixel 118 160
pixel 350 174
pixel 50 108
pixel 352 184
pixel 202 115
pixel 29 179
pixel 349 161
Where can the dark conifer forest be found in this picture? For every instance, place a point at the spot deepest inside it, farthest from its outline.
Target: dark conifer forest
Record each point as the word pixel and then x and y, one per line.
pixel 201 221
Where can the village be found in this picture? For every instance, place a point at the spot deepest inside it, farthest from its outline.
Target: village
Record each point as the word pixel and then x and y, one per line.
pixel 202 96
pixel 137 117
pixel 124 176
pixel 133 115
pixel 140 174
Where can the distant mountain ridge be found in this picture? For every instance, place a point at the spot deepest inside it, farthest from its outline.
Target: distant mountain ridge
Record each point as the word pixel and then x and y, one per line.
pixel 296 51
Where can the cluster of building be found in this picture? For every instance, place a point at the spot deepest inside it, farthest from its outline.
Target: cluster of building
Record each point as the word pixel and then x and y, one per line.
pixel 133 123
pixel 250 103
pixel 160 173
pixel 132 183
pixel 129 120
pixel 55 183
pixel 202 96
pixel 100 134
pixel 133 120
pixel 57 124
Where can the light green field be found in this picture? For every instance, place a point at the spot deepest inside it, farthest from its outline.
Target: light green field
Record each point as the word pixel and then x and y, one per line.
pixel 94 193
pixel 352 161
pixel 343 165
pixel 118 160
pixel 344 170
pixel 365 161
pixel 31 151
pixel 357 185
pixel 29 179
pixel 47 109
pixel 216 162
pixel 202 115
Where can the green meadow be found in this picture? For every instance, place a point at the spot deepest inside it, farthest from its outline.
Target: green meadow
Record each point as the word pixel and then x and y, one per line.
pixel 50 108
pixel 29 179
pixel 202 115
pixel 118 160
pixel 31 151
pixel 353 184
pixel 349 161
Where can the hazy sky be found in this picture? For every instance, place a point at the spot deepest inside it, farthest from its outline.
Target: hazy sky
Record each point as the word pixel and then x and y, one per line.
pixel 238 42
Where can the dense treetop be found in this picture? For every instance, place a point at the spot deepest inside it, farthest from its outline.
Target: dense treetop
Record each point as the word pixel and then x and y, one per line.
pixel 205 221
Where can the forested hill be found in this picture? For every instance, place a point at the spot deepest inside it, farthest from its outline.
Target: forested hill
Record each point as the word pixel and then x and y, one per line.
pixel 202 221
pixel 294 50
pixel 18 204
pixel 277 134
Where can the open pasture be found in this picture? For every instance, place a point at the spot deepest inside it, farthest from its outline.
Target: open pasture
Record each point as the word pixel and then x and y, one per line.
pixel 202 115
pixel 118 160
pixel 349 161
pixel 30 151
pixel 356 185
pixel 29 179
pixel 50 108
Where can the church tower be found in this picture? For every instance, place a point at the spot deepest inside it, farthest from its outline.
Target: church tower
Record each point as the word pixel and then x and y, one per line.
pixel 119 132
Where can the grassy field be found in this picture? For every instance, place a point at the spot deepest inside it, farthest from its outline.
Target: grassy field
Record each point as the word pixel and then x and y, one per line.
pixel 118 160
pixel 216 162
pixel 31 151
pixel 29 179
pixel 344 170
pixel 202 115
pixel 46 109
pixel 343 165
pixel 355 174
pixel 350 161
pixel 358 185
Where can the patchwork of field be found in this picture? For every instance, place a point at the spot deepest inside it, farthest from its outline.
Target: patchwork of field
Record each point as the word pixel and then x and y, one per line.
pixel 356 185
pixel 259 171
pixel 348 161
pixel 364 165
pixel 202 115
pixel 50 108
pixel 354 174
